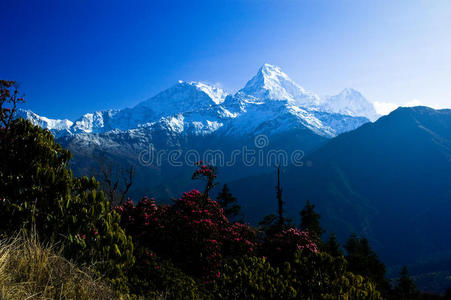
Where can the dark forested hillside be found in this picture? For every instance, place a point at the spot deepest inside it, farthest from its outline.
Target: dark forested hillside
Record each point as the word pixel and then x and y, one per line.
pixel 389 180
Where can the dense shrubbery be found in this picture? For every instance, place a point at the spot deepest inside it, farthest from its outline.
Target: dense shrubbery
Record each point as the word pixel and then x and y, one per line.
pixel 193 233
pixel 38 192
pixel 188 249
pixel 231 259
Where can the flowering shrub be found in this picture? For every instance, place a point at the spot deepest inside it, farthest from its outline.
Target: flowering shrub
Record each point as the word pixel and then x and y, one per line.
pixel 282 246
pixel 204 171
pixel 207 173
pixel 183 250
pixel 240 239
pixel 143 221
pixel 192 232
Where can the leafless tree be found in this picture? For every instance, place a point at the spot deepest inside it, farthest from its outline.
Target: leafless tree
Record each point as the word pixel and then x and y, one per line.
pixel 117 181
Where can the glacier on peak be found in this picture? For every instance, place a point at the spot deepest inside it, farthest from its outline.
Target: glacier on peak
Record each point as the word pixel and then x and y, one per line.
pixel 57 126
pixel 273 84
pixel 270 98
pixel 350 102
pixel 218 95
pixel 185 96
pixel 95 122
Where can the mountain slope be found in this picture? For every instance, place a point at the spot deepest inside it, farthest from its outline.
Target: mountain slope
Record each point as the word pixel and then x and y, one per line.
pixel 58 127
pixel 350 102
pixel 270 93
pixel 199 117
pixel 389 180
pixel 183 97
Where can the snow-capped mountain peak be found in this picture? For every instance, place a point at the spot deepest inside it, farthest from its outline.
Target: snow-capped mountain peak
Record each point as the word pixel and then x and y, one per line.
pixel 270 102
pixel 273 84
pixel 216 94
pixel 185 96
pixel 350 92
pixel 350 102
pixel 95 122
pixel 55 125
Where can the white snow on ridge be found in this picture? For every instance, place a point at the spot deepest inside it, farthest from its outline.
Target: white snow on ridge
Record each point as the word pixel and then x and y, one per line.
pixel 271 83
pixel 351 103
pixel 216 94
pixel 183 97
pixel 51 124
pixel 269 101
pixel 94 122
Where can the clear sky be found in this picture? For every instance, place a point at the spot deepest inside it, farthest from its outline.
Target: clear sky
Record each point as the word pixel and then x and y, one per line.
pixel 73 57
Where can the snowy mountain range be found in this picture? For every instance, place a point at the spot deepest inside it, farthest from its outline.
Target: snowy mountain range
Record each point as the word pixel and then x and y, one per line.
pixel 269 103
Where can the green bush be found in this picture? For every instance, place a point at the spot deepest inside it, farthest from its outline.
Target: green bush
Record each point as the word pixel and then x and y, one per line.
pixel 309 276
pixel 252 278
pixel 38 191
pixel 154 276
pixel 319 275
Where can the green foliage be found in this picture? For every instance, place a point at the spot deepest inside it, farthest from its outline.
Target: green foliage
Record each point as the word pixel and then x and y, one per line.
pixel 154 276
pixel 35 178
pixel 332 246
pixel 187 250
pixel 252 278
pixel 309 276
pixel 271 224
pixel 405 288
pixel 310 221
pixel 319 275
pixel 350 286
pixel 363 261
pixel 94 232
pixel 39 191
pixel 229 203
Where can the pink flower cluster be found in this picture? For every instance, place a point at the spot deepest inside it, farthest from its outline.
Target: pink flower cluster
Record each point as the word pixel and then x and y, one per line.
pixel 193 232
pixel 207 171
pixel 196 236
pixel 284 244
pixel 240 239
pixel 135 219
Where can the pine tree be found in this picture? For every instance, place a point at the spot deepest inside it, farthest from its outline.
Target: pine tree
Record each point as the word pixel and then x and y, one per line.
pixel 363 261
pixel 229 203
pixel 332 246
pixel 281 219
pixel 405 288
pixel 310 221
pixel 273 223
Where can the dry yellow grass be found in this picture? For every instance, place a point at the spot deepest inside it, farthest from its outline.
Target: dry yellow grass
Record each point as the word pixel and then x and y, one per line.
pixel 31 270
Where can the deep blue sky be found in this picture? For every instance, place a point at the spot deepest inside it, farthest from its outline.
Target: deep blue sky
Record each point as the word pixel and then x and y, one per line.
pixel 73 57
